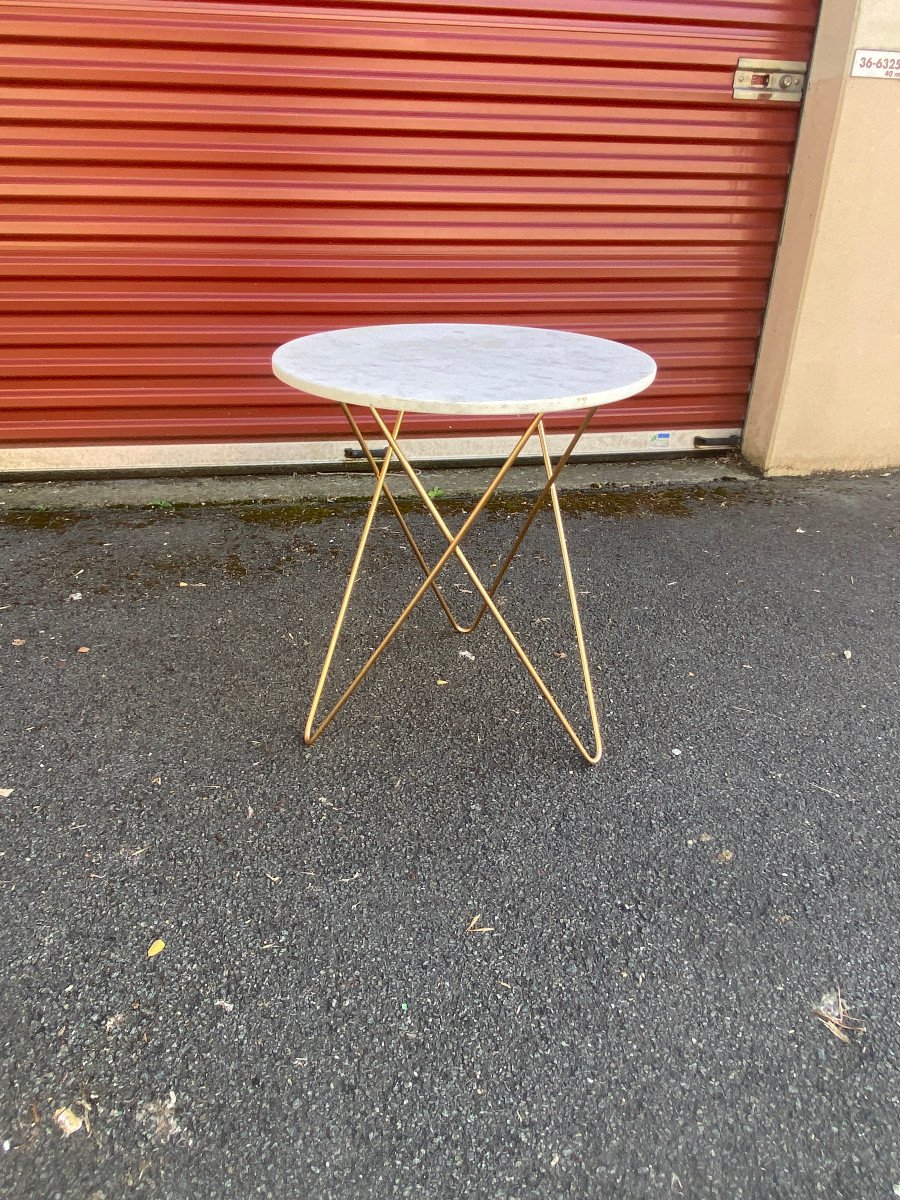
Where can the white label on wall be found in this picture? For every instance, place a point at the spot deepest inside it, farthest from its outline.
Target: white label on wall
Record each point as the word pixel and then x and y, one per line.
pixel 876 64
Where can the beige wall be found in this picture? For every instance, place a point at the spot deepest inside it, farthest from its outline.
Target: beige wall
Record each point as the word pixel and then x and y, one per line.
pixel 826 395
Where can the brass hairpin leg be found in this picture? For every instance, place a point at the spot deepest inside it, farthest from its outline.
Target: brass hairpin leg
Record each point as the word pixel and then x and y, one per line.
pixel 549 487
pixel 573 601
pixel 553 473
pixel 310 735
pixel 391 499
pixel 453 550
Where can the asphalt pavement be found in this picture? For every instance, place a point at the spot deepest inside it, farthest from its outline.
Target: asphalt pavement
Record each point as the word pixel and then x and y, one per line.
pixel 436 955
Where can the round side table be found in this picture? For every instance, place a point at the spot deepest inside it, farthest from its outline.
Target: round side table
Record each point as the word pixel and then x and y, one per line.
pixel 453 370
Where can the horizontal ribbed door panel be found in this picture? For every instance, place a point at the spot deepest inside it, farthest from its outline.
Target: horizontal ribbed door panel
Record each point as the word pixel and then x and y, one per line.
pixel 186 185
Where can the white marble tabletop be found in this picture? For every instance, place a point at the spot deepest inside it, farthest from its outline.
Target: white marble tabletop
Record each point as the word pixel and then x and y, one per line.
pixel 463 369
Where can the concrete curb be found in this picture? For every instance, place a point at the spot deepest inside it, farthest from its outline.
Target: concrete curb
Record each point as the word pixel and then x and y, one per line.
pixel 352 484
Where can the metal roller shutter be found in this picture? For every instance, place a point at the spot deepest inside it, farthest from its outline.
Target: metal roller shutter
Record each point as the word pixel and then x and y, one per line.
pixel 185 185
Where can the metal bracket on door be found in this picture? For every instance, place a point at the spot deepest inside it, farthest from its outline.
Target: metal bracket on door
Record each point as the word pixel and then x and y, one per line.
pixel 769 79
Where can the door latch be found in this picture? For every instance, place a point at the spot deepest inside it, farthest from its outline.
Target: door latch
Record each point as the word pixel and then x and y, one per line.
pixel 769 79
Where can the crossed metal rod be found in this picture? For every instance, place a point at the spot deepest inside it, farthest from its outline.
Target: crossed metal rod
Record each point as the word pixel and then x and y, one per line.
pixel 453 550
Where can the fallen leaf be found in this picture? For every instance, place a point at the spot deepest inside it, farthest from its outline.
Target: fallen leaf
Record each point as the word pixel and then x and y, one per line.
pixel 835 1016
pixel 156 947
pixel 18 641
pixel 68 1121
pixel 159 1115
pixel 85 1107
pixel 725 856
pixel 705 837
pixel 835 1029
pixel 84 649
pixel 442 682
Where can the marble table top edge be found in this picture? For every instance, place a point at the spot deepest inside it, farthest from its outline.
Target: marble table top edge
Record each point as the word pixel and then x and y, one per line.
pixel 463 369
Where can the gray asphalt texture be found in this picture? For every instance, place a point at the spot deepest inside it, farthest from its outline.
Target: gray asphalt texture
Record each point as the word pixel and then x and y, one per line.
pixel 436 955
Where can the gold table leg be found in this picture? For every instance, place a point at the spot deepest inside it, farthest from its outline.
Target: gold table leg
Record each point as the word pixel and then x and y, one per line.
pixel 454 541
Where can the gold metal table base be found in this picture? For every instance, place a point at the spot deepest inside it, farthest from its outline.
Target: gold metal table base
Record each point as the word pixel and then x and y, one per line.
pixel 453 550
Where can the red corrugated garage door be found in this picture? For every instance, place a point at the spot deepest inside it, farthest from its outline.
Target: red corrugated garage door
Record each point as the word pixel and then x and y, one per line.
pixel 186 185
